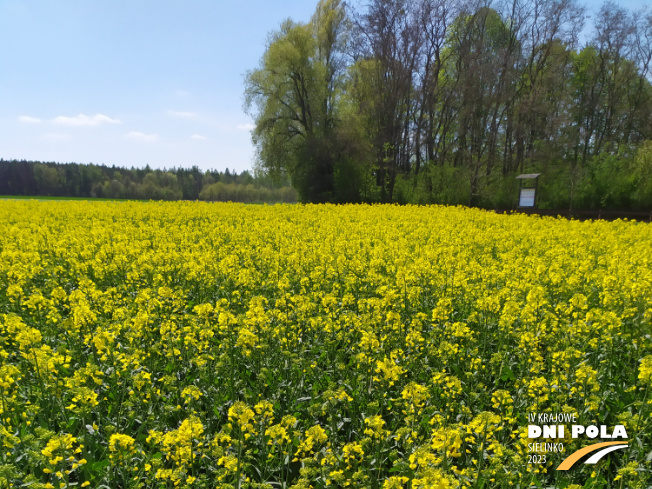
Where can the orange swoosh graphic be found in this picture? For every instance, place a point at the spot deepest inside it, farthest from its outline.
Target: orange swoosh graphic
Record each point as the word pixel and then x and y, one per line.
pixel 575 456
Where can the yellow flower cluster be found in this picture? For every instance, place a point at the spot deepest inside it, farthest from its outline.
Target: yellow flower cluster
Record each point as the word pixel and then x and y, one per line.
pixel 121 446
pixel 187 344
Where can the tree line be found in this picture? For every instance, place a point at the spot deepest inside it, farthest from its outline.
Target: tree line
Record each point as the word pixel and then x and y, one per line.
pixel 33 178
pixel 446 101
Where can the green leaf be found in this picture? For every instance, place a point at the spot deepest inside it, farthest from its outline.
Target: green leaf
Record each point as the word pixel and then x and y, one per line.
pixel 507 374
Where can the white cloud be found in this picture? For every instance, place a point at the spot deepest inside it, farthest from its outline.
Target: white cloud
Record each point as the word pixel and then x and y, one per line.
pixel 245 127
pixel 29 120
pixel 183 115
pixel 198 137
pixel 141 136
pixel 85 120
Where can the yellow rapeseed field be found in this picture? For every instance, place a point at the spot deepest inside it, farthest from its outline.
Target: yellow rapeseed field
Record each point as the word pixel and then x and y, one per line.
pixel 232 346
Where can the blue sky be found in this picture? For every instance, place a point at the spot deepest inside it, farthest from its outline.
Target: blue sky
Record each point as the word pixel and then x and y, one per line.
pixel 134 82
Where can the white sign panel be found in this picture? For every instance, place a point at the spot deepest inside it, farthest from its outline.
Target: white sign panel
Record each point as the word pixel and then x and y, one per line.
pixel 527 198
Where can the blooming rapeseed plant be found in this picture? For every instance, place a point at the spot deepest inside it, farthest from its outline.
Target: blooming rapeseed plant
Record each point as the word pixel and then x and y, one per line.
pixel 187 344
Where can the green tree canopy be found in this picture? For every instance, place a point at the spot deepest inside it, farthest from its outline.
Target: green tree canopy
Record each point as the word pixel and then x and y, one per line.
pixel 293 98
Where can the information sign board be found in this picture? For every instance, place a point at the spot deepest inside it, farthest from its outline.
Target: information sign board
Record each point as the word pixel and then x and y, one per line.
pixel 526 198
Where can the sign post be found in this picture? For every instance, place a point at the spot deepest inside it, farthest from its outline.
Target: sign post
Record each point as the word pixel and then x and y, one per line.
pixel 527 193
